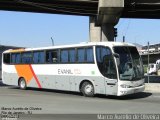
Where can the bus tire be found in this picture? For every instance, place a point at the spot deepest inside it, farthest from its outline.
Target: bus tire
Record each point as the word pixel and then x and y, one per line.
pixel 22 84
pixel 87 89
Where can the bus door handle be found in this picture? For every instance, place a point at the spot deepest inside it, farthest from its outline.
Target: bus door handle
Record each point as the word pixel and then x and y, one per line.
pixel 111 83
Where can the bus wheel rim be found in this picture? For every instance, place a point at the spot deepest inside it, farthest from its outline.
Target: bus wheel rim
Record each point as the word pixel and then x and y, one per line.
pixel 22 84
pixel 88 89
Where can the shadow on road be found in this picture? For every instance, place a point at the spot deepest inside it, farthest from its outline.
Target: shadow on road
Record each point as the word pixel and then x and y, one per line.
pixel 1 84
pixel 50 91
pixel 127 97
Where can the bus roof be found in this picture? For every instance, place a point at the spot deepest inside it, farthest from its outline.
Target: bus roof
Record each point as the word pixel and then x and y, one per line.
pixel 109 44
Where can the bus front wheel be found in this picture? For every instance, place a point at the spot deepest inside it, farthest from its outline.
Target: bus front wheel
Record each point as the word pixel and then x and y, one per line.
pixel 87 89
pixel 22 84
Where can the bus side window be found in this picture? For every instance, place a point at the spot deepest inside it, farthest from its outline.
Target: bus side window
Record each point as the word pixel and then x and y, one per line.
pixel 90 57
pixel 64 56
pixel 15 58
pixel 27 58
pixel 105 62
pixel 6 58
pixel 52 56
pixel 80 55
pixel 72 55
pixel 38 57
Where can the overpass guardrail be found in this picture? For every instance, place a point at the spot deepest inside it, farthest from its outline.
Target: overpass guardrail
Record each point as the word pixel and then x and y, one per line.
pixel 152 79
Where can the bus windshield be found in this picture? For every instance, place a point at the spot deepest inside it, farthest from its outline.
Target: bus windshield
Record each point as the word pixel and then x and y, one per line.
pixel 130 67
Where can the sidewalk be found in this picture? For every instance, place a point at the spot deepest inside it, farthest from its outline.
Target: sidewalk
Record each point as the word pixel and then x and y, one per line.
pixel 152 87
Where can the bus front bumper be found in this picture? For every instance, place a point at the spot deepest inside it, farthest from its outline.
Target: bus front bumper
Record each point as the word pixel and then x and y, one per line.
pixel 127 91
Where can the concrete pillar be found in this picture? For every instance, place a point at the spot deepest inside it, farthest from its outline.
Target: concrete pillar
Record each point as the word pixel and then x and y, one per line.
pixel 94 31
pixel 109 12
pixel 107 31
pixel 103 33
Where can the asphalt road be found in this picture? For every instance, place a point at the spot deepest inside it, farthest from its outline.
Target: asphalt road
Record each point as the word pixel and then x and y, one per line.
pixel 58 105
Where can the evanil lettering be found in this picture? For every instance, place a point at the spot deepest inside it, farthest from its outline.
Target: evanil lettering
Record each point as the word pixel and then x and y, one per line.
pixel 64 71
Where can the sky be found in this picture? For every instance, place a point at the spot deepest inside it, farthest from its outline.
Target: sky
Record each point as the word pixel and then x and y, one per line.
pixel 35 29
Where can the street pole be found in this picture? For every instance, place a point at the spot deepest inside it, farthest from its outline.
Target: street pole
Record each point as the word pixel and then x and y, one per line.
pixel 123 38
pixel 148 62
pixel 114 39
pixel 52 41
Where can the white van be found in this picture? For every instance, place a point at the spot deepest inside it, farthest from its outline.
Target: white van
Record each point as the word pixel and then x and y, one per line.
pixel 152 69
pixel 158 63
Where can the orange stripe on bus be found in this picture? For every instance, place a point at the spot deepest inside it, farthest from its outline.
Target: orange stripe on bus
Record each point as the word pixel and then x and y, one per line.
pixel 35 77
pixel 24 71
pixel 28 73
pixel 17 50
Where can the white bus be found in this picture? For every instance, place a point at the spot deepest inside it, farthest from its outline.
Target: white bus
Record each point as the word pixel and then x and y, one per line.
pixel 110 68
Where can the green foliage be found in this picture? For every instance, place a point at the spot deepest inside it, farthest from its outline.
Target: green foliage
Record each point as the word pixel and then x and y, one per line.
pixel 145 68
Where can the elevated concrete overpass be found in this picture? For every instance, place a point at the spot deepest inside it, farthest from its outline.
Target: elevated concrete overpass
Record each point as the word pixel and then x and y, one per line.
pixel 131 8
pixel 149 9
pixel 71 7
pixel 104 14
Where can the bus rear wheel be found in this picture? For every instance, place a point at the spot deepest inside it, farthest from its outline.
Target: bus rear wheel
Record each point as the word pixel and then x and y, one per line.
pixel 87 89
pixel 22 84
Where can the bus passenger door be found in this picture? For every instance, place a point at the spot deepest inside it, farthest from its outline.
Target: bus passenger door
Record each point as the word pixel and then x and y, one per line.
pixel 110 74
pixel 111 86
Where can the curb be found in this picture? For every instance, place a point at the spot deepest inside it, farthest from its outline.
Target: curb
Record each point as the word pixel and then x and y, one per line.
pixel 152 87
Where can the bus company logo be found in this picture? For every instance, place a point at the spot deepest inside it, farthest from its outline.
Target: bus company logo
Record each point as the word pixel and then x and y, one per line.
pixel 65 71
pixel 69 71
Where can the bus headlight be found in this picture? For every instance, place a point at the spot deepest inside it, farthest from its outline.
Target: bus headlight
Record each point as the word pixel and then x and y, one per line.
pixel 125 86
